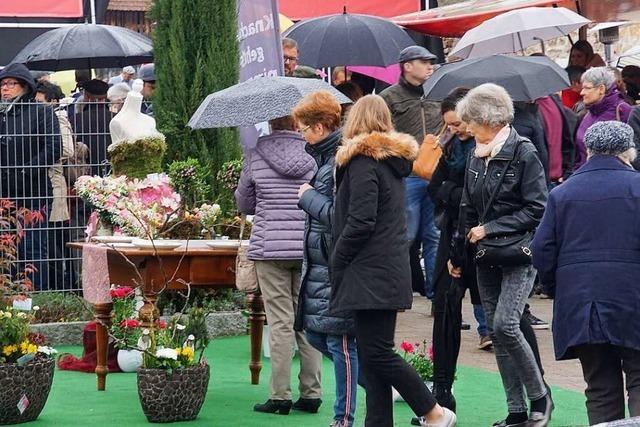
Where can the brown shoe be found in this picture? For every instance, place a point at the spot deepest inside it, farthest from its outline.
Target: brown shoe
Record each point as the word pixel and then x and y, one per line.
pixel 485 343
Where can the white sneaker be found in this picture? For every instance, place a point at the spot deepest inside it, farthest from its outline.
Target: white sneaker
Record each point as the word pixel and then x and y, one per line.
pixel 448 420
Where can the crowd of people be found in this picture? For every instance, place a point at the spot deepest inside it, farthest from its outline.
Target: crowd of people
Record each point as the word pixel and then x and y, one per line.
pixel 336 261
pixel 47 140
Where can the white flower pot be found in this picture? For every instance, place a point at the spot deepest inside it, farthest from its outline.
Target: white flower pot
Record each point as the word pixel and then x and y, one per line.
pixel 397 398
pixel 129 360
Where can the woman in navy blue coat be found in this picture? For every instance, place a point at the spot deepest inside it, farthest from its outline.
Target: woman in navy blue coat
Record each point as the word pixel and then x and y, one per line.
pixel 587 251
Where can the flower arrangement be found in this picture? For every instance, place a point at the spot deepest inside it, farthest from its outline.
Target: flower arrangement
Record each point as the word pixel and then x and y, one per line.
pixel 229 174
pixel 125 326
pixel 12 222
pixel 191 180
pixel 420 357
pixel 17 344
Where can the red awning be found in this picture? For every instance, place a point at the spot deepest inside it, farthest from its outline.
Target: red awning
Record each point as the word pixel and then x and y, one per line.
pixel 41 8
pixel 456 19
pixel 297 9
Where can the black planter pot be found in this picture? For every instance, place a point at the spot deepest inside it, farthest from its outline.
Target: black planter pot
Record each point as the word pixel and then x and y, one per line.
pixel 32 380
pixel 176 396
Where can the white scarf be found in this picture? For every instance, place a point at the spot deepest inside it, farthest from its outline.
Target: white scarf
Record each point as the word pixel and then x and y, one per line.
pixel 494 147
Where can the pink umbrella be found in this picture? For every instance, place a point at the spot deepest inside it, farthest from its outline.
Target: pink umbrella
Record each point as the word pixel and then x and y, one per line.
pixel 390 74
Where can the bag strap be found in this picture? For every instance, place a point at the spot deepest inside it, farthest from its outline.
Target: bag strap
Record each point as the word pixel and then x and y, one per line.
pixel 243 223
pixel 618 112
pixel 494 193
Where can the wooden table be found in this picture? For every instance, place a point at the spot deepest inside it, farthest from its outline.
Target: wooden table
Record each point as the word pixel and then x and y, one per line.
pixel 198 265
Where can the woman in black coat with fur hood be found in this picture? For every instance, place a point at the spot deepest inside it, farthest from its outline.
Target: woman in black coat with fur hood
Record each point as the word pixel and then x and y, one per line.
pixel 370 258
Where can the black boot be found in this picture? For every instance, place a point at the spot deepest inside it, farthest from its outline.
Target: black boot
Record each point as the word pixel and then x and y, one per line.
pixel 307 405
pixel 443 395
pixel 281 407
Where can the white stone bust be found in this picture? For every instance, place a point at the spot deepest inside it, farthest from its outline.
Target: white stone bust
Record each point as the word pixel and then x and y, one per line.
pixel 130 124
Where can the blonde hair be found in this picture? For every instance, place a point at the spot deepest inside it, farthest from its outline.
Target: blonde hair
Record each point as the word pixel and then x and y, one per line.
pixel 369 114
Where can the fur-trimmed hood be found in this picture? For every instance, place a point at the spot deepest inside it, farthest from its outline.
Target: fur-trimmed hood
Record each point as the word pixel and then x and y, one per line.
pixel 400 149
pixel 378 146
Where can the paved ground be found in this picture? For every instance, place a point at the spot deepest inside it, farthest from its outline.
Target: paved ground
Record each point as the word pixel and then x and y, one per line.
pixel 417 324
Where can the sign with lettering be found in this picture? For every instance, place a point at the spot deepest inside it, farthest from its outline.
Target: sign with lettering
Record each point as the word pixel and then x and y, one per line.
pixel 259 37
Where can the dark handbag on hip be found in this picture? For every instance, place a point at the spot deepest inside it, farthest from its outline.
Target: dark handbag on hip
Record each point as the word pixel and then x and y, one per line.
pixel 507 250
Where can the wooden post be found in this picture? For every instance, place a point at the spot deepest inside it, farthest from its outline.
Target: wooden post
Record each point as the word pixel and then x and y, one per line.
pixel 103 321
pixel 256 319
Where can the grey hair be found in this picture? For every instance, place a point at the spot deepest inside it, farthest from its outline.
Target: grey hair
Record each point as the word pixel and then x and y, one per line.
pixel 487 104
pixel 289 43
pixel 118 91
pixel 629 156
pixel 599 76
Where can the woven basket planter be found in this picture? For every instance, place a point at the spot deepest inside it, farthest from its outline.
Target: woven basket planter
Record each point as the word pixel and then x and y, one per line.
pixel 33 380
pixel 177 396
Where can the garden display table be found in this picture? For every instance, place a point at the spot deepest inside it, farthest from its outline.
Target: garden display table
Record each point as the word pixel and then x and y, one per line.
pixel 195 264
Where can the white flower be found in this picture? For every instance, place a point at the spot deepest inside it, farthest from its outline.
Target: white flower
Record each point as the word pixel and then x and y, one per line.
pixel 180 327
pixel 35 308
pixel 167 353
pixel 22 315
pixel 191 337
pixel 47 350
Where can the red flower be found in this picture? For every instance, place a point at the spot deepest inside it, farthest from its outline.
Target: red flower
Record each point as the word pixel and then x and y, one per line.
pixel 121 292
pixel 130 323
pixel 407 347
pixel 431 352
pixel 161 324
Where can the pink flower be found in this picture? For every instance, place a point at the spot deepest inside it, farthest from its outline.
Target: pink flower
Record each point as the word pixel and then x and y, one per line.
pixel 431 352
pixel 407 347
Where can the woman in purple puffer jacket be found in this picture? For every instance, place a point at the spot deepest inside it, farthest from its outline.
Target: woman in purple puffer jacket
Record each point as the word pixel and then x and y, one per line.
pixel 604 101
pixel 272 173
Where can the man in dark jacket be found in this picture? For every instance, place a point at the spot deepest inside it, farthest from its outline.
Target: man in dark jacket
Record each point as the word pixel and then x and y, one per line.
pixel 91 126
pixel 586 252
pixel 29 146
pixel 413 115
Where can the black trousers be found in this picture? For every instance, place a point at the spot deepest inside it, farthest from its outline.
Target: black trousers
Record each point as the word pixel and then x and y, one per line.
pixel 383 368
pixel 602 367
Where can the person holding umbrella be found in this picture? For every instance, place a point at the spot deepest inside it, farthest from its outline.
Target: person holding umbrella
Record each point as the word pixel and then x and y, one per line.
pixel 505 193
pixel 370 258
pixel 412 115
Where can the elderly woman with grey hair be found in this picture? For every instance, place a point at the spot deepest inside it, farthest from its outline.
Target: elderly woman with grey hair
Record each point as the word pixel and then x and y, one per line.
pixel 116 96
pixel 503 200
pixel 604 102
pixel 586 252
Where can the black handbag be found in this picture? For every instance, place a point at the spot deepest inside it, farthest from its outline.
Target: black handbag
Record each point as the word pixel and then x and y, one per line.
pixel 507 250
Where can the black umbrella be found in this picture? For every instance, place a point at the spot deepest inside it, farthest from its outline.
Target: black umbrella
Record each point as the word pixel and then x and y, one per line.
pixel 525 78
pixel 348 39
pixel 85 46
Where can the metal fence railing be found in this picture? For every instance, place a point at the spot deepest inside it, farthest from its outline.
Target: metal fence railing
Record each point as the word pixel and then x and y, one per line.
pixel 43 148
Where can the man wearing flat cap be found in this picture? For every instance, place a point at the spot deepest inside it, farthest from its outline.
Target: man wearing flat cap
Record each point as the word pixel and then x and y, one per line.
pixel 92 125
pixel 127 76
pixel 29 146
pixel 417 117
pixel 148 76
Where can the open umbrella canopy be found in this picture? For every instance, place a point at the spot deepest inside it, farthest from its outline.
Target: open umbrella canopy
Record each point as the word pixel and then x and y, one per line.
pixel 516 30
pixel 256 101
pixel 525 78
pixel 85 46
pixel 348 39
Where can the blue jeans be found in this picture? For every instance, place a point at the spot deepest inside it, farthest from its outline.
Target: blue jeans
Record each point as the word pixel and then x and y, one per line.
pixel 341 349
pixel 478 313
pixel 420 212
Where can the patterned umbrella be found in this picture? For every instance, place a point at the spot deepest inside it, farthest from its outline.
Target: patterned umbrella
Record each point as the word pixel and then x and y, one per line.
pixel 256 101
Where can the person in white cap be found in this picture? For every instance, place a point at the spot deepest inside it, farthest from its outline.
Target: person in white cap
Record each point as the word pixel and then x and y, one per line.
pixel 127 76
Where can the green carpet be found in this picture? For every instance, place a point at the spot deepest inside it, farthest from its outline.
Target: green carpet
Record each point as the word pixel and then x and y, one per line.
pixel 74 400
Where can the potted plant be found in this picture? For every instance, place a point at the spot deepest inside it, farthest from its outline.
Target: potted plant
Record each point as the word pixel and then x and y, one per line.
pixel 421 358
pixel 26 368
pixel 173 381
pixel 125 328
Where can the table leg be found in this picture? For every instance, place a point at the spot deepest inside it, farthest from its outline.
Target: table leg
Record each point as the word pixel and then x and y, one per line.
pixel 256 318
pixel 103 321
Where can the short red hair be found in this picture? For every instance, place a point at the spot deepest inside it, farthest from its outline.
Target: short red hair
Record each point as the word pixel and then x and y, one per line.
pixel 318 107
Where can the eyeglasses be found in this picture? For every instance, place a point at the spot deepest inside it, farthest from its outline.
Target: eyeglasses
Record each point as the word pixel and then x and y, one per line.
pixel 290 59
pixel 9 84
pixel 589 87
pixel 304 129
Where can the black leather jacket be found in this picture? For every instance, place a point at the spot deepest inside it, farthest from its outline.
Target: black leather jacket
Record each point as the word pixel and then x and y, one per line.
pixel 522 198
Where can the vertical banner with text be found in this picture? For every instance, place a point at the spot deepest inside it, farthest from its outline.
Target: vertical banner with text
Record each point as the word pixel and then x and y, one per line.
pixel 260 48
